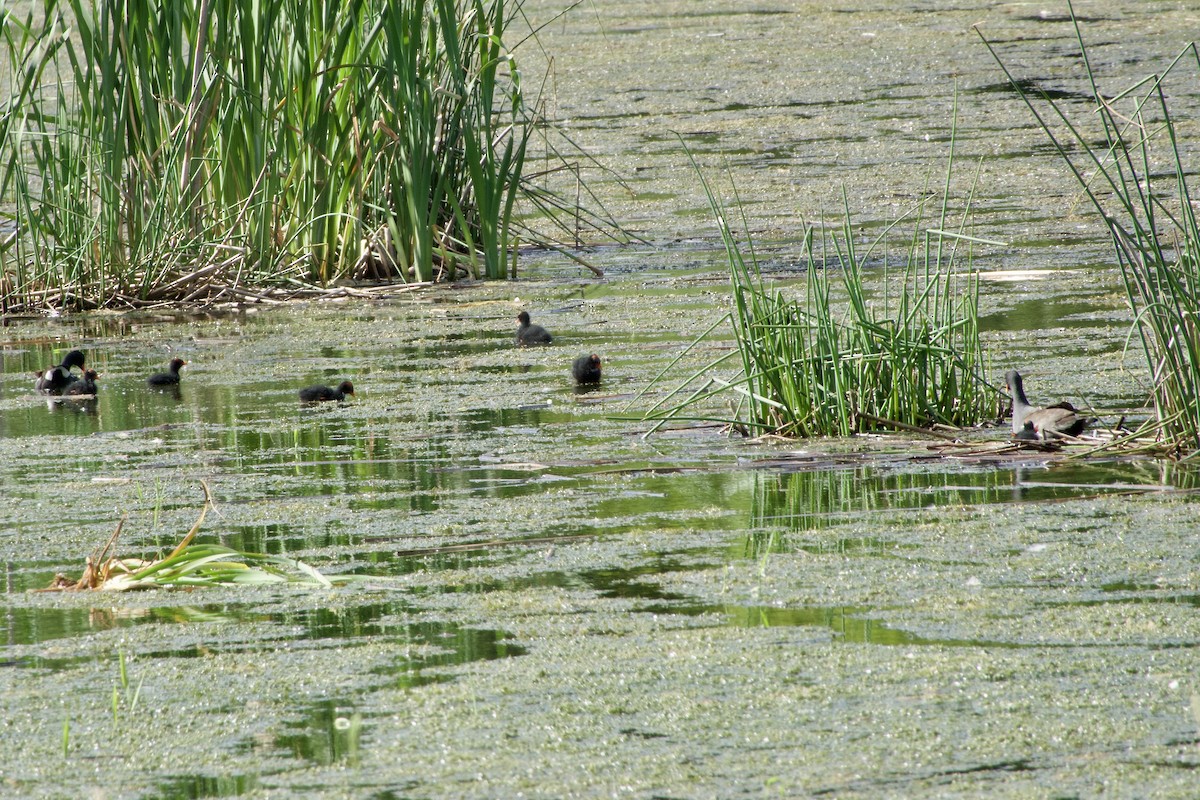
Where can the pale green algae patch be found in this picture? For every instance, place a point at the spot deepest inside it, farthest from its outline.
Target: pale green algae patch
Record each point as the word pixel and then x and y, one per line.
pixel 720 712
pixel 1015 676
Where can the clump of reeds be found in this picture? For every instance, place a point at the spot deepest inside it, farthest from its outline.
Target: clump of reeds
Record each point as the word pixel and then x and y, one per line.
pixel 160 151
pixel 189 565
pixel 1134 172
pixel 841 359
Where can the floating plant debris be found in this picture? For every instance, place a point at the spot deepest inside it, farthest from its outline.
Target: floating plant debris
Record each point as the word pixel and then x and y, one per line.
pixel 190 565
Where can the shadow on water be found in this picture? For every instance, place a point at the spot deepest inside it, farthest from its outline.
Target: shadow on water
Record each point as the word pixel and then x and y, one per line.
pixel 329 731
pixel 192 787
pixel 849 625
pixel 808 499
pixel 328 734
pixel 237 628
pixel 284 539
pixel 323 733
pixel 527 417
pixel 1033 88
pixel 1037 313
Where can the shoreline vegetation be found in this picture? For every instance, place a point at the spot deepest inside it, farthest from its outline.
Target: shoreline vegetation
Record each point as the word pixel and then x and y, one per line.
pixel 360 149
pixel 834 359
pixel 1133 168
pixel 913 359
pixel 266 150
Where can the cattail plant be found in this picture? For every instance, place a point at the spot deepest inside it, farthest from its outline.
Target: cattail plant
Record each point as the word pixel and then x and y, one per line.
pixel 158 151
pixel 1130 162
pixel 839 359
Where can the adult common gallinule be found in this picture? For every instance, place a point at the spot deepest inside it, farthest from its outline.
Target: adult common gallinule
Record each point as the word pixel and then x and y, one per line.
pixel 528 333
pixel 57 378
pixel 319 394
pixel 82 387
pixel 170 377
pixel 586 369
pixel 1051 422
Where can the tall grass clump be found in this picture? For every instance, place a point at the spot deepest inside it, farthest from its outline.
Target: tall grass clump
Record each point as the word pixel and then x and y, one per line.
pixel 158 151
pixel 841 358
pixel 1135 172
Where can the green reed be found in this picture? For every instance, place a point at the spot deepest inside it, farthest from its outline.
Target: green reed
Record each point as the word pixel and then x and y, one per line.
pixel 157 151
pixel 835 357
pixel 1135 172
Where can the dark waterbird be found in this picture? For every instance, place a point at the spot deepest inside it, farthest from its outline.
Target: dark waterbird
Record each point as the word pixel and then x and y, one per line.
pixel 57 378
pixel 82 387
pixel 528 333
pixel 586 369
pixel 1048 423
pixel 170 377
pixel 320 394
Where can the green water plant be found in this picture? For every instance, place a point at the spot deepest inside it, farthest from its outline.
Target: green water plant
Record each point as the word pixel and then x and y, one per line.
pixel 835 357
pixel 123 692
pixel 190 564
pixel 154 151
pixel 1130 159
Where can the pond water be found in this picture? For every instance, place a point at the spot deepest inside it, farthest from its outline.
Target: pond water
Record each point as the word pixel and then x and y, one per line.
pixel 560 606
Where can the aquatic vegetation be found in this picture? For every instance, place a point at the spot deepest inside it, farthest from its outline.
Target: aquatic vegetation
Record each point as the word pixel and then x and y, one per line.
pixel 124 694
pixel 1135 172
pixel 839 359
pixel 273 144
pixel 191 565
